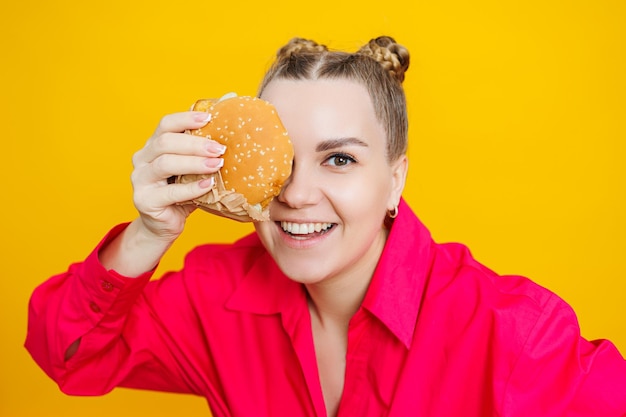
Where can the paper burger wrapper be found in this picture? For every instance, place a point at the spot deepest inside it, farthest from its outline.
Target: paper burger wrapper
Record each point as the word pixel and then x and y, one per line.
pixel 223 202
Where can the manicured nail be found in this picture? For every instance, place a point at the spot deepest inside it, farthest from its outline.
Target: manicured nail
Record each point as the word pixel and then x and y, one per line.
pixel 215 147
pixel 211 163
pixel 202 117
pixel 207 182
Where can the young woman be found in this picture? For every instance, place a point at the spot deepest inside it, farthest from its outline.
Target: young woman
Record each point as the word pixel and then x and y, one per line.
pixel 342 305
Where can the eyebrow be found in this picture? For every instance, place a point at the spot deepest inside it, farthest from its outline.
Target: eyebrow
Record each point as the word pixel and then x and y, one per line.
pixel 338 143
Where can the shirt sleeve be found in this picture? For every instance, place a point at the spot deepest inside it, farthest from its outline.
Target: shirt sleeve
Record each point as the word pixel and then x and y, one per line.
pixel 561 374
pixel 120 345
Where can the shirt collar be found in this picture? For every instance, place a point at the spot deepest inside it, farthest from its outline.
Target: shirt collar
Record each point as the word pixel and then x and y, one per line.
pixel 394 294
pixel 264 289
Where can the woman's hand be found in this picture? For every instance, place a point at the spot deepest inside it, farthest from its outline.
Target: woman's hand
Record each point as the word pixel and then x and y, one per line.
pixel 168 152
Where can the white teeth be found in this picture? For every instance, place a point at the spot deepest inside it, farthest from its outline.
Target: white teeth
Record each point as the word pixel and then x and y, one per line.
pixel 304 228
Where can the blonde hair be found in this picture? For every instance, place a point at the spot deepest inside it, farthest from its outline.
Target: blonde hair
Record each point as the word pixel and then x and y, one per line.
pixel 379 66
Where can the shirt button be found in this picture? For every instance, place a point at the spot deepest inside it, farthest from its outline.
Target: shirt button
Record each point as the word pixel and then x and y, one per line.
pixel 94 307
pixel 106 286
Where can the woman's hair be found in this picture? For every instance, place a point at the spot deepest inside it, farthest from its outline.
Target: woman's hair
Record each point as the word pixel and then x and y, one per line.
pixel 379 66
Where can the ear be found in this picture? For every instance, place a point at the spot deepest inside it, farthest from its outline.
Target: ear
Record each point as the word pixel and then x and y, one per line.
pixel 399 170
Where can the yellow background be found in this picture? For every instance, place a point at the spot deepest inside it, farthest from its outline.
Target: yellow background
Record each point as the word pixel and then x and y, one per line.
pixel 517 140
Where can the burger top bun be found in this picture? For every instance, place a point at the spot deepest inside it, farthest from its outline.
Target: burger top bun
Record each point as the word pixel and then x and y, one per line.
pixel 257 160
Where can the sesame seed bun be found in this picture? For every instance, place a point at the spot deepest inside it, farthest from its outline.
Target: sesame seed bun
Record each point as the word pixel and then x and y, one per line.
pixel 257 160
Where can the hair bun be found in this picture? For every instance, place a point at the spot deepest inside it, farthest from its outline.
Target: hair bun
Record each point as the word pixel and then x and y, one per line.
pixel 391 55
pixel 300 45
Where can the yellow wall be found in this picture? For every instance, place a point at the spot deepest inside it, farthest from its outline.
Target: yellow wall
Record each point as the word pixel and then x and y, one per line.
pixel 517 140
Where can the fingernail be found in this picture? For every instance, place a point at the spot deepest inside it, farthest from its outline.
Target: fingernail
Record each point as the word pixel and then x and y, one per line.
pixel 202 117
pixel 215 147
pixel 207 182
pixel 211 162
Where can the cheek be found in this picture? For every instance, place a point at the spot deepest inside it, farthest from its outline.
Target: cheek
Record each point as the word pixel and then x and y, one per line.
pixel 363 191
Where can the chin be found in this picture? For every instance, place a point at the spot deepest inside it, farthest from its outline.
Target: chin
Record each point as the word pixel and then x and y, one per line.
pixel 299 269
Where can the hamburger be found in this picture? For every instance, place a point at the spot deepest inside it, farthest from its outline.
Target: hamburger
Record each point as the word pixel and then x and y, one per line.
pixel 257 161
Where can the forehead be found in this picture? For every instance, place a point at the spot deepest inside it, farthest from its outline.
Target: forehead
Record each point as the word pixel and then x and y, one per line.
pixel 325 109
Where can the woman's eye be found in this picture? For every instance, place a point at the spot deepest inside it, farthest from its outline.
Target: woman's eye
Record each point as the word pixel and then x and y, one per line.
pixel 340 160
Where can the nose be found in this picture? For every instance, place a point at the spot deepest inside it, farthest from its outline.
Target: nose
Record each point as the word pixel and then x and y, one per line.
pixel 301 188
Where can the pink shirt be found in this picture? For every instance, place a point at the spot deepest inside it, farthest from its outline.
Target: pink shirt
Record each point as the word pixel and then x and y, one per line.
pixel 437 334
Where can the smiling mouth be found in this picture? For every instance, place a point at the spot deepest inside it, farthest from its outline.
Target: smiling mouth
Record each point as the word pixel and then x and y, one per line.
pixel 305 230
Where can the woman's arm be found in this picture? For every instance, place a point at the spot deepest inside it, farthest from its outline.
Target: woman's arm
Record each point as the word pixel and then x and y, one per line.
pixel 161 220
pixel 82 322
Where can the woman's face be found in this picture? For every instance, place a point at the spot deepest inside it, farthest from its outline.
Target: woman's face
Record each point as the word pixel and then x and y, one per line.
pixel 327 223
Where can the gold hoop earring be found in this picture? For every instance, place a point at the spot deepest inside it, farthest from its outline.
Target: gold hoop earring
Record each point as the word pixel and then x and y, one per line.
pixel 393 213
